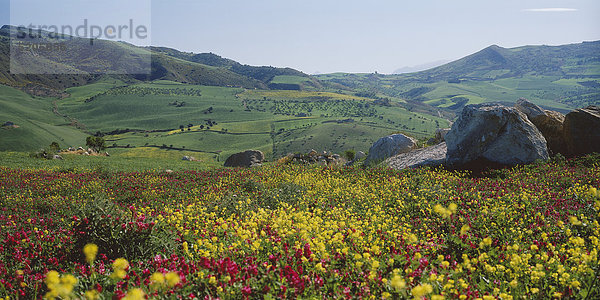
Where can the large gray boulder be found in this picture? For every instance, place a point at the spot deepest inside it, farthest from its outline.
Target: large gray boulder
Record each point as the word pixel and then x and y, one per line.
pixel 430 156
pixel 495 133
pixel 548 122
pixel 389 146
pixel 246 159
pixel 581 130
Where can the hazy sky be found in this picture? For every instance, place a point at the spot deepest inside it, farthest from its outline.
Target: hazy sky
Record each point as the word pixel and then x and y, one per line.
pixel 359 36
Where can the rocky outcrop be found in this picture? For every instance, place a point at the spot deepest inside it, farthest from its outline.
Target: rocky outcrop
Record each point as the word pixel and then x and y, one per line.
pixel 430 156
pixel 246 159
pixel 389 146
pixel 548 122
pixel 189 158
pixel 313 157
pixel 495 133
pixel 440 134
pixel 581 131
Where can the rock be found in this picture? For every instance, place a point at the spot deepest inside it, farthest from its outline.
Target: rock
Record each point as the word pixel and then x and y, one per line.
pixel 529 109
pixel 389 146
pixel 186 158
pixel 430 156
pixel 581 131
pixel 80 148
pixel 548 122
pixel 106 154
pixel 56 156
pixel 359 155
pixel 440 134
pixel 495 133
pixel 249 158
pixel 86 153
pixel 168 171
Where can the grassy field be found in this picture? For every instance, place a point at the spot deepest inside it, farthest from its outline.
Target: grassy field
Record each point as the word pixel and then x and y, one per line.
pixel 37 125
pixel 120 161
pixel 215 122
pixel 551 92
pixel 107 228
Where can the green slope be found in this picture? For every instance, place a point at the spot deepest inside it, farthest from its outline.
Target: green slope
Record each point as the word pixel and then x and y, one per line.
pixel 37 125
pixel 218 121
pixel 557 77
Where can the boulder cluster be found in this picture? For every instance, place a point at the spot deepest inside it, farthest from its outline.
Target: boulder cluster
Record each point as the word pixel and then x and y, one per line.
pixel 313 157
pixel 496 134
pixel 246 159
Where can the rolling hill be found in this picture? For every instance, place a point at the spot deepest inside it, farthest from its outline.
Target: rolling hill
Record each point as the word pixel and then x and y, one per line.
pixel 557 77
pixel 210 106
pixel 85 64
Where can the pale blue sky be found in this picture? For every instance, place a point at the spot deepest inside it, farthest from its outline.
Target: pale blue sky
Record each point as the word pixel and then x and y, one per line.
pixel 358 36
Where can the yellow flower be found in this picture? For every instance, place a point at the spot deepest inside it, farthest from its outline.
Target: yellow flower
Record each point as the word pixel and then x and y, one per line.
pixel 92 295
pixel 486 242
pixel 593 191
pixel 575 284
pixel 135 294
pixel 59 286
pixel 535 290
pixel 386 295
pixel 158 278
pixel 452 207
pixel 421 290
pixel 534 247
pixel 557 295
pixel 574 220
pixel 464 229
pixel 90 251
pixel 52 278
pixel 397 283
pixel 319 267
pixel 120 264
pixel 440 297
pixel 212 280
pixel 173 278
pixel 513 283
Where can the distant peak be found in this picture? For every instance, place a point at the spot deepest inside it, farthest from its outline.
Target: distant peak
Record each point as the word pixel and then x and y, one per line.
pixel 494 47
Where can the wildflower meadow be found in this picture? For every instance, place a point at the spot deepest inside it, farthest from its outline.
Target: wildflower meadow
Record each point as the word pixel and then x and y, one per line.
pixel 290 231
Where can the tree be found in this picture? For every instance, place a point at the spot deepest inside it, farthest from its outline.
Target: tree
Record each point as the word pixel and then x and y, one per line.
pixel 54 147
pixel 95 142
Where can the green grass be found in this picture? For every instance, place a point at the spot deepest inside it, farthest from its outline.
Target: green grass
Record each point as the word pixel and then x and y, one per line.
pixel 38 125
pixel 289 79
pixel 220 121
pixel 266 120
pixel 158 160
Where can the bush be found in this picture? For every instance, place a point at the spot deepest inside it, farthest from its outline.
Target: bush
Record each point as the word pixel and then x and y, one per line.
pixel 95 142
pixel 350 154
pixel 118 232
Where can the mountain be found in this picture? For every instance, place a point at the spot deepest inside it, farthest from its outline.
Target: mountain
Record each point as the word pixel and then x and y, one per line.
pixel 421 67
pixel 265 74
pixel 556 77
pixel 495 62
pixel 85 63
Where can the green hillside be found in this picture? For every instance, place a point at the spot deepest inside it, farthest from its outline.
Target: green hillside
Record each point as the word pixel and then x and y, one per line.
pixel 36 125
pixel 86 61
pixel 218 121
pixel 557 77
